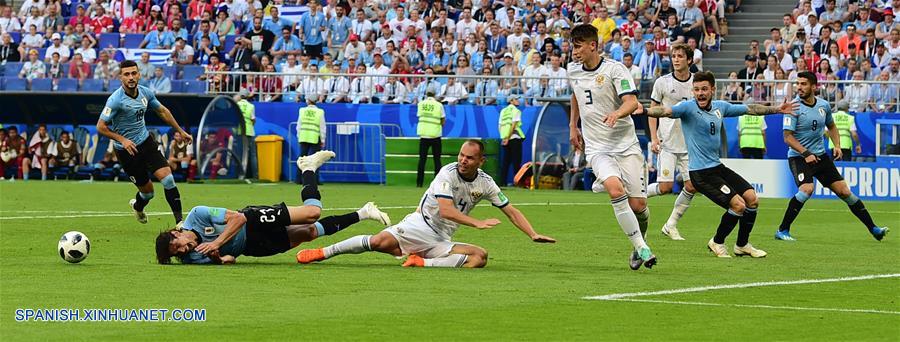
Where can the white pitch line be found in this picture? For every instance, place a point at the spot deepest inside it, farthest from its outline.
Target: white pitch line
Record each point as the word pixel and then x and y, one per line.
pixel 617 296
pixel 755 306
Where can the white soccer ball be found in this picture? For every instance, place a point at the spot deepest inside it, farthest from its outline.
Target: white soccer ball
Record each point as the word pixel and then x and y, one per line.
pixel 74 247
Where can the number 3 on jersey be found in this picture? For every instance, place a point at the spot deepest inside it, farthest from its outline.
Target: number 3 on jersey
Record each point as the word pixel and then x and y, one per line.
pixel 590 99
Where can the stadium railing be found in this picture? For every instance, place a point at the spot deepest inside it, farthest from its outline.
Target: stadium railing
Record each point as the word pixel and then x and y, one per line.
pixel 861 96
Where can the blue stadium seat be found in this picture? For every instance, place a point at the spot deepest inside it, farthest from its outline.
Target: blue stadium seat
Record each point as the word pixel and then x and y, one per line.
pixel 92 85
pixel 195 87
pixel 16 37
pixel 229 43
pixel 2 83
pixel 191 72
pixel 67 84
pixel 42 52
pixel 107 39
pixel 41 84
pixel 16 84
pixel 12 69
pixel 170 71
pixel 133 40
pixel 177 86
pixel 113 85
pixel 65 69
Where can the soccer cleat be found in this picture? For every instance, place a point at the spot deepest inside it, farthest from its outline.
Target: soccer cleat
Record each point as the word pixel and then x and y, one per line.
pixel 597 187
pixel 648 257
pixel 784 235
pixel 718 249
pixel 314 161
pixel 414 261
pixel 310 255
pixel 748 249
pixel 879 232
pixel 374 214
pixel 139 215
pixel 635 261
pixel 671 232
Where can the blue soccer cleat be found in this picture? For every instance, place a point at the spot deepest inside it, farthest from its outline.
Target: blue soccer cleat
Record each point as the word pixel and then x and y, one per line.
pixel 879 232
pixel 784 235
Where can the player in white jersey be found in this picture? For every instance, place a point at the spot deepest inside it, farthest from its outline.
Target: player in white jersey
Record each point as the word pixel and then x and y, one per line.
pixel 603 98
pixel 668 141
pixel 425 235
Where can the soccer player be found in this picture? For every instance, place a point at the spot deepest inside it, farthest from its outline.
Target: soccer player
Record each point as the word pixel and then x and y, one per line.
pixel 604 97
pixel 122 120
pixel 701 121
pixel 425 235
pixel 668 141
pixel 809 160
pixel 217 235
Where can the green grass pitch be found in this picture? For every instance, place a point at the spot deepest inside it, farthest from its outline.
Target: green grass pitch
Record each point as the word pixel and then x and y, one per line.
pixel 527 291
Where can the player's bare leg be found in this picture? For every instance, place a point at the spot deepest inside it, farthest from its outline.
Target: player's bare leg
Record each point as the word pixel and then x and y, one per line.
pixel 461 255
pixel 682 203
pixel 25 167
pixel 140 200
pixel 164 175
pixel 628 222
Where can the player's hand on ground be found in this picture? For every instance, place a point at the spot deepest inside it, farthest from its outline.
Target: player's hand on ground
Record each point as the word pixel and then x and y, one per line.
pixel 575 139
pixel 487 224
pixel 812 159
pixel 130 147
pixel 654 146
pixel 542 239
pixel 207 248
pixel 837 153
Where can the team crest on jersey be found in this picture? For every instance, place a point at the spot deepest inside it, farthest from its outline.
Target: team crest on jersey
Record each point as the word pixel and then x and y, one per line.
pixel 822 112
pixel 725 189
pixel 666 172
pixel 476 195
pixel 144 101
pixel 718 113
pixel 209 230
pixel 600 79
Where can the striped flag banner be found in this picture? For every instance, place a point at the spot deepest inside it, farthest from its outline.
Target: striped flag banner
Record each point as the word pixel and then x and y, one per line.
pixel 157 56
pixel 292 13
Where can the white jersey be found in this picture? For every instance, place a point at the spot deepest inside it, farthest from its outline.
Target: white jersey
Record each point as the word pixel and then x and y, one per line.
pixel 464 194
pixel 668 91
pixel 599 93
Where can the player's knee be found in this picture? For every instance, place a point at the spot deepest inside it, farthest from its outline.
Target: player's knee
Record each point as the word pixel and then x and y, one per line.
pixel 477 259
pixel 637 204
pixel 689 186
pixel 168 182
pixel 751 200
pixel 665 188
pixel 738 205
pixel 842 192
pixel 380 243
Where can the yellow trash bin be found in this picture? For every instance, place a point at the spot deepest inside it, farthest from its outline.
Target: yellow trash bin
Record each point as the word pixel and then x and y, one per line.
pixel 268 148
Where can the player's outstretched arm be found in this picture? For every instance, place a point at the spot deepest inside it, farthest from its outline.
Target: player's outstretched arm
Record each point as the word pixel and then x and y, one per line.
pixel 658 112
pixel 521 222
pixel 169 119
pixel 789 108
pixel 234 221
pixel 449 211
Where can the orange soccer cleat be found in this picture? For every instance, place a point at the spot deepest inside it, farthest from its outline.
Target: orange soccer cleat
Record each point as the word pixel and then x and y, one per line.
pixel 414 261
pixel 310 255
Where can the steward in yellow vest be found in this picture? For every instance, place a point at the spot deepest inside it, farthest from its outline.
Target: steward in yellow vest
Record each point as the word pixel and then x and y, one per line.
pixel 431 124
pixel 752 131
pixel 511 137
pixel 846 125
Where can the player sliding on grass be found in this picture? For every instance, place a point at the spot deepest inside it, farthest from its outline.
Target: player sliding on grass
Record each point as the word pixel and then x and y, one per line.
pixel 603 99
pixel 425 234
pixel 809 160
pixel 122 120
pixel 218 235
pixel 701 121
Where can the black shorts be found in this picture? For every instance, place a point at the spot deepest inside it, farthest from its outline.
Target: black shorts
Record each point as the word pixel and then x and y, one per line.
pixel 719 184
pixel 146 161
pixel 267 230
pixel 824 170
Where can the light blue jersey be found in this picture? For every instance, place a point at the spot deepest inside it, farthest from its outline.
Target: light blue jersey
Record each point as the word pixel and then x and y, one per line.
pixel 209 223
pixel 312 25
pixel 702 130
pixel 125 115
pixel 809 126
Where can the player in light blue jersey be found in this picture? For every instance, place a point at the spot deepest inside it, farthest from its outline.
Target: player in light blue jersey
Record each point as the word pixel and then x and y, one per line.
pixel 211 235
pixel 809 160
pixel 122 120
pixel 701 123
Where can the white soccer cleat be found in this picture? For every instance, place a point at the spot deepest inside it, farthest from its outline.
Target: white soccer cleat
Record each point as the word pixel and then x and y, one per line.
pixel 372 213
pixel 718 249
pixel 314 161
pixel 139 215
pixel 597 187
pixel 671 232
pixel 749 250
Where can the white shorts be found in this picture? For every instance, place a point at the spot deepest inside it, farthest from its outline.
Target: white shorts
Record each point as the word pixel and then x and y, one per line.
pixel 416 237
pixel 667 163
pixel 630 168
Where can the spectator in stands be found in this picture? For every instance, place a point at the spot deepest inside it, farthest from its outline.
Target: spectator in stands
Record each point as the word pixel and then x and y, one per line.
pixel 524 57
pixel 619 51
pixel 869 43
pixel 160 38
pixel 863 23
pixel 881 60
pixel 204 51
pixel 259 39
pixel 37 156
pixel 287 44
pixel 833 57
pixel 627 28
pixel 155 14
pixel 13 151
pixel 9 51
pixel 634 70
pixel 781 91
pixel 691 20
pixel 869 73
pixel 182 54
pixel 894 69
pixel 224 26
pixel 486 89
pixel 733 92
pixel 362 27
pixel 823 45
pixel 850 39
pixel 71 39
pixel 144 66
pixel 751 69
pixel 33 68
pixel 771 66
pixel 159 84
pixel 542 90
pixel 31 40
pixel 846 73
pixel 428 84
pixel 134 23
pixel 830 91
pixel 275 22
pixel 53 20
pixel 106 69
pixel 65 152
pixel 79 69
pixel 857 94
pixel 80 16
pixel 206 31
pixel 177 29
pixel 366 56
pixel 312 85
pixel 831 13
pixel 650 68
pixel 338 32
pixel 196 8
pixel 759 91
pixel 55 69
pixel 438 60
pixel 8 23
pixel 379 69
pixel 290 70
pixel 453 92
pixel 242 55
pixel 101 22
pixel 394 91
pixel 361 87
pixel 270 85
pixel 35 18
pixel 884 28
pixel 181 155
pixel 86 50
pixel 883 97
pixel 605 25
pixel 57 48
pixel 532 73
pixel 785 61
pixel 311 26
pixel 336 88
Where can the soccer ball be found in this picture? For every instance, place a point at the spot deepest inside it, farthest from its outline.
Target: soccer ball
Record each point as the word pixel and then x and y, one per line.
pixel 74 247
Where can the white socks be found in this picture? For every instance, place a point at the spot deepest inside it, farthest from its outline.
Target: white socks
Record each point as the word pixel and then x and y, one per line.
pixel 653 190
pixel 628 222
pixel 681 205
pixel 354 245
pixel 454 260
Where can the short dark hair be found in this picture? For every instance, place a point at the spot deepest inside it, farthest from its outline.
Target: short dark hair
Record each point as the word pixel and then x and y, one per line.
pixel 775 29
pixel 127 64
pixel 809 76
pixel 163 240
pixel 627 54
pixel 705 76
pixel 584 33
pixel 477 142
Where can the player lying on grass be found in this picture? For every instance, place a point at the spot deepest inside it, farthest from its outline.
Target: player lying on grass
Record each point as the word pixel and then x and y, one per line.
pixel 218 235
pixel 809 160
pixel 701 122
pixel 425 234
